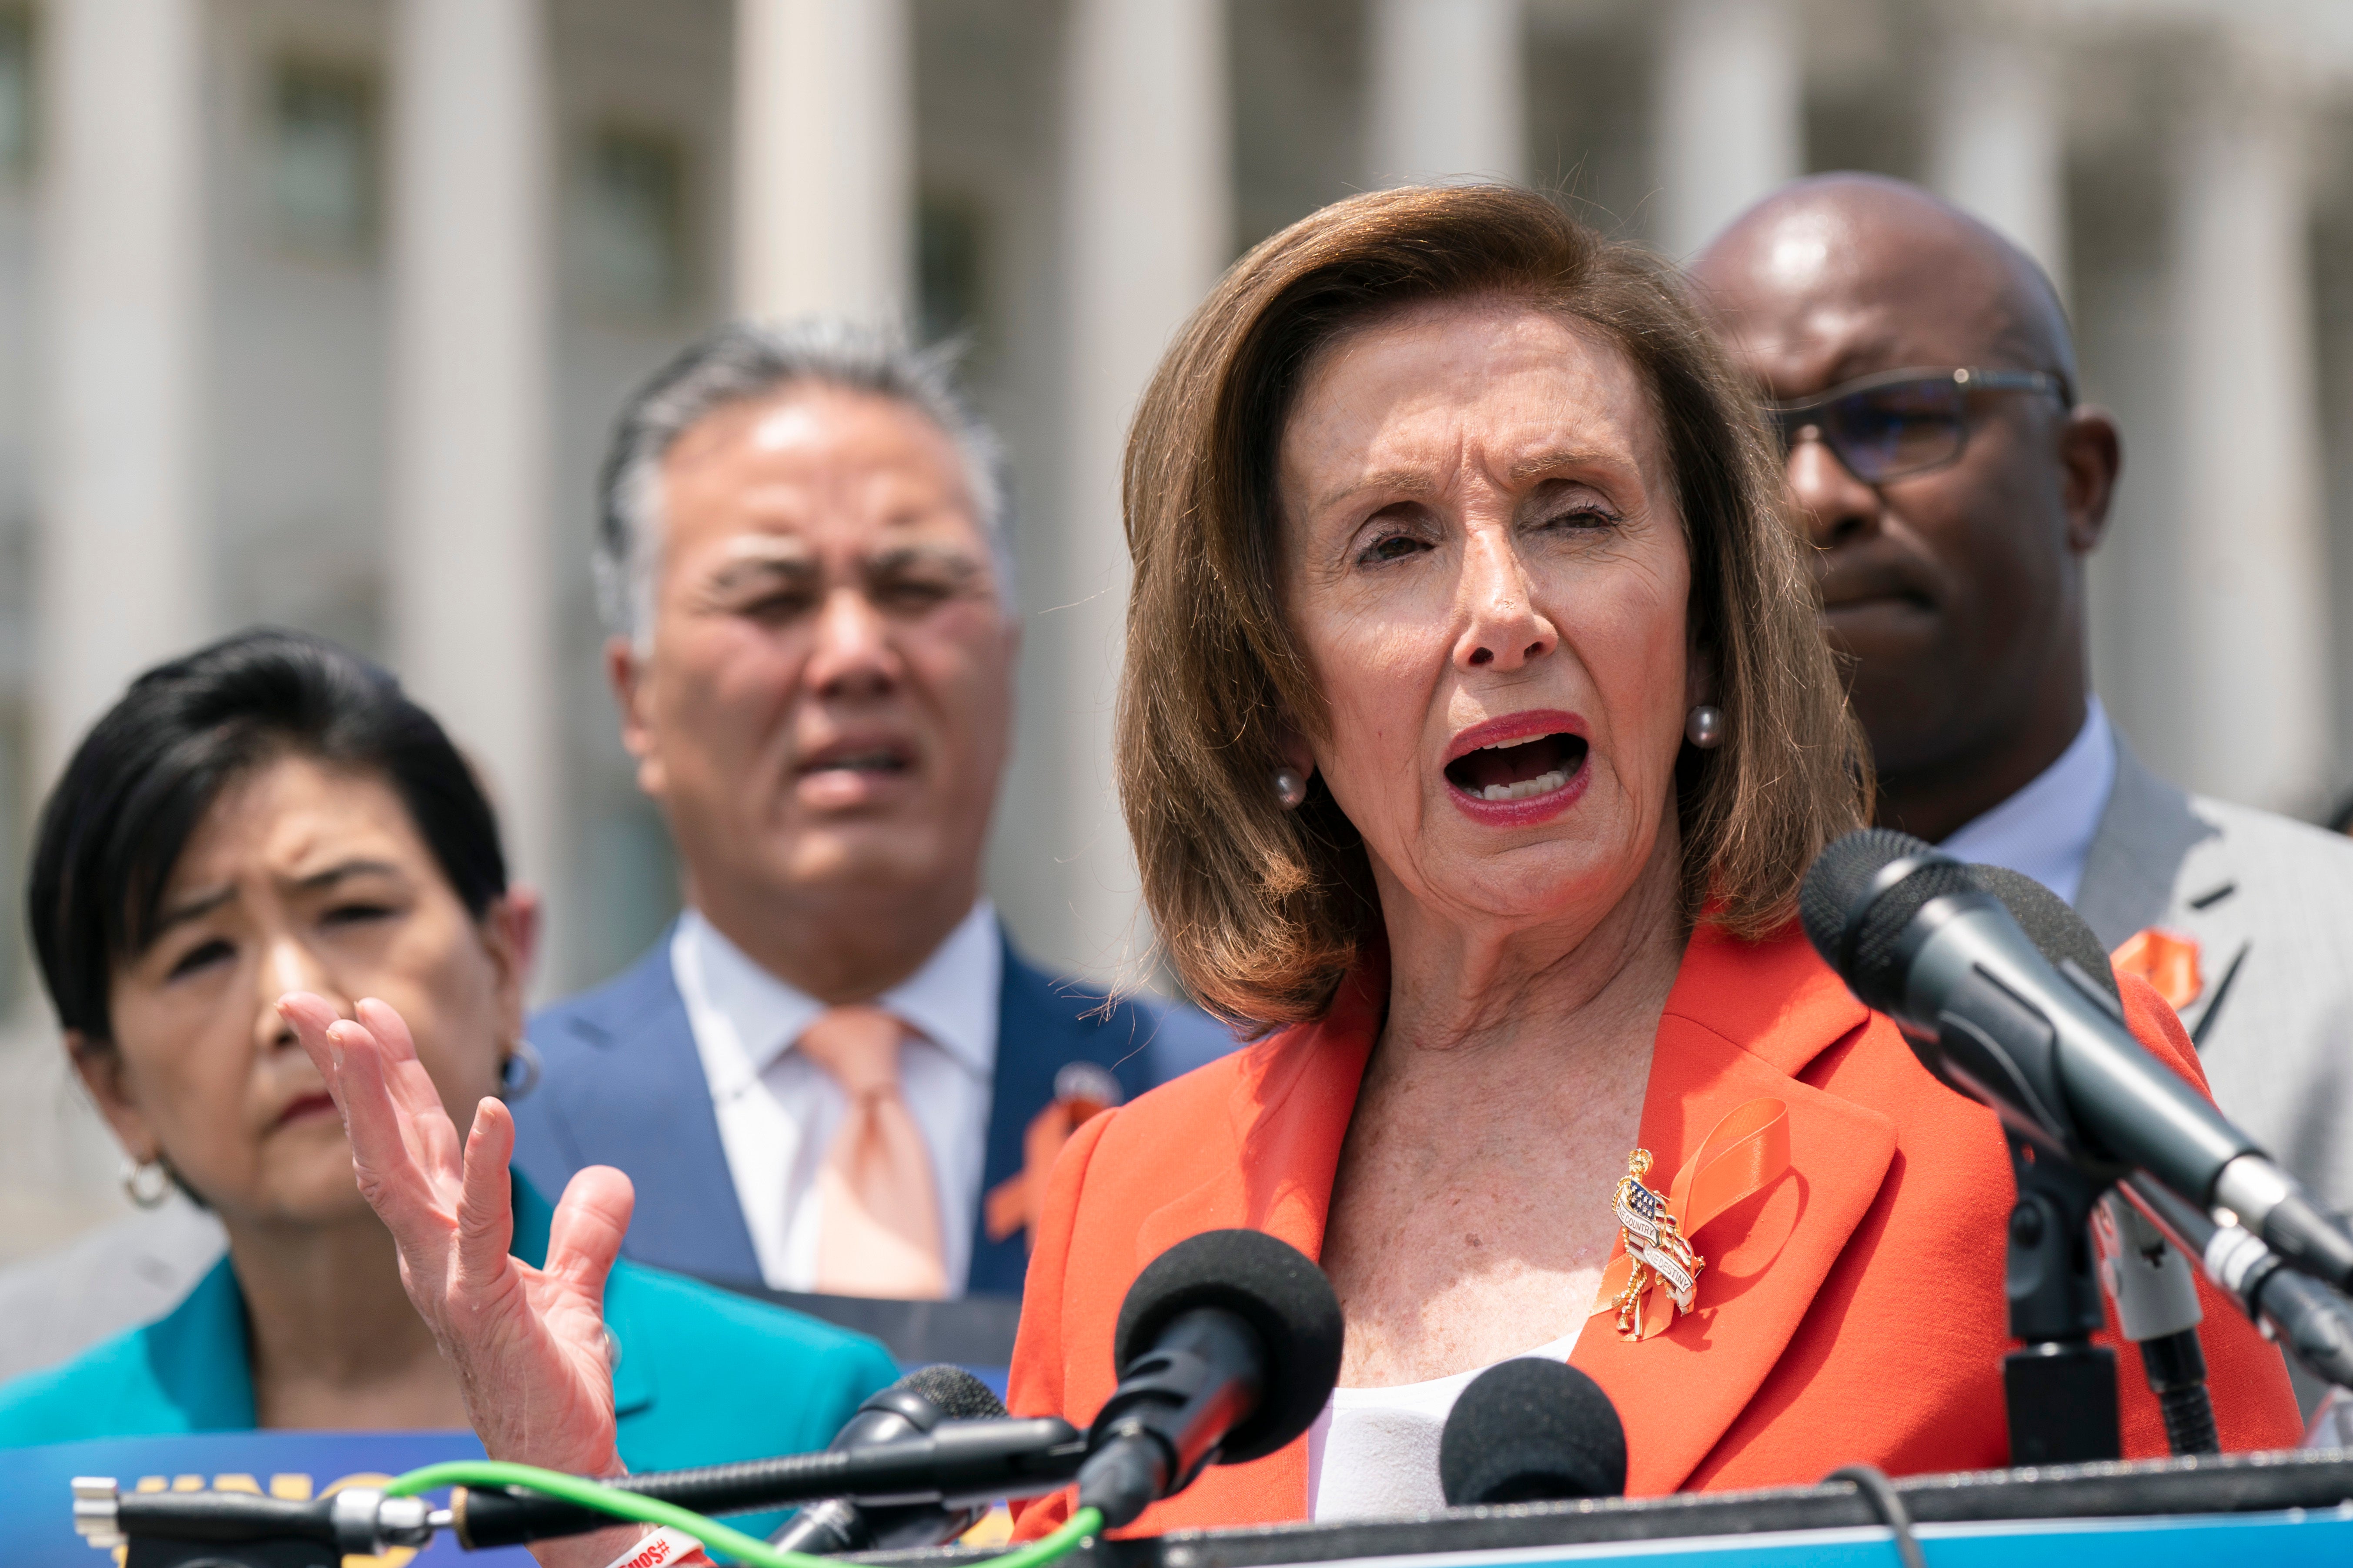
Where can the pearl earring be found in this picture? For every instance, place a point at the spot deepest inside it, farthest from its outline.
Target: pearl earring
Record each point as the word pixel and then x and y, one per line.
pixel 1290 788
pixel 1704 727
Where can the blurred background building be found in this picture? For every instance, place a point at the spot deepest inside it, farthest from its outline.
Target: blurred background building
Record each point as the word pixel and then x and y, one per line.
pixel 316 312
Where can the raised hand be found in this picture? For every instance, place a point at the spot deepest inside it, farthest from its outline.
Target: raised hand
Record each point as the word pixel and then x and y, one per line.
pixel 528 1344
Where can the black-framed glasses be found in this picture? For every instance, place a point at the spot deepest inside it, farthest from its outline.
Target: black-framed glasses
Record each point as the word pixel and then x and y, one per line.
pixel 1901 421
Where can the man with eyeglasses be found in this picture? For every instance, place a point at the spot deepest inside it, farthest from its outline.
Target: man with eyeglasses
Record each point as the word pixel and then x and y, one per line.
pixel 1924 385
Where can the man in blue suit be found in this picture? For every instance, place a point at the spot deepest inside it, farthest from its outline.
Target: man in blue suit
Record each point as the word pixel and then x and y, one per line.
pixel 826 1076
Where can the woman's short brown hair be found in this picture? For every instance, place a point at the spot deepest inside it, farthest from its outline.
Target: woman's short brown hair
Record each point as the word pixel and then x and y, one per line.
pixel 1262 911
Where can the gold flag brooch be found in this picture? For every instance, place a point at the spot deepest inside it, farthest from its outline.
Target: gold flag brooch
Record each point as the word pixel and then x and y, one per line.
pixel 1655 1272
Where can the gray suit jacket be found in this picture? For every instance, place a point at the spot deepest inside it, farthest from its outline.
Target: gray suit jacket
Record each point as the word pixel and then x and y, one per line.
pixel 2270 901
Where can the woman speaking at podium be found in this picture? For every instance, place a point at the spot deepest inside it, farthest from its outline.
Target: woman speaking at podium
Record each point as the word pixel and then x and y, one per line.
pixel 1475 733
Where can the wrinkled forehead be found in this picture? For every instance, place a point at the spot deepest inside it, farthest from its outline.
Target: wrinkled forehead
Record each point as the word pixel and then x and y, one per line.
pixel 1525 378
pixel 284 805
pixel 1810 298
pixel 849 467
pixel 814 433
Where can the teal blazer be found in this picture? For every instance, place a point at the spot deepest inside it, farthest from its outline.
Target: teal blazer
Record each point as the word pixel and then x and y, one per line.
pixel 704 1377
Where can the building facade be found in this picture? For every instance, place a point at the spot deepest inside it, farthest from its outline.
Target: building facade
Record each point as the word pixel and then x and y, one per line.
pixel 316 313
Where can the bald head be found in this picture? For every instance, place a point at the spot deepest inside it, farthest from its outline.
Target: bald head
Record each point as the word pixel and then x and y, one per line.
pixel 1953 588
pixel 1882 268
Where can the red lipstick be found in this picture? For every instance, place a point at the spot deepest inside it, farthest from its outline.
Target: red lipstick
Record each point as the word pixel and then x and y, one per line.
pixel 1518 769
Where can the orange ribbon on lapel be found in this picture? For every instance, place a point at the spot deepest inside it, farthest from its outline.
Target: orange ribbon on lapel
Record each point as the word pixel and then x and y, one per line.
pixel 1745 1152
pixel 1015 1202
pixel 2167 960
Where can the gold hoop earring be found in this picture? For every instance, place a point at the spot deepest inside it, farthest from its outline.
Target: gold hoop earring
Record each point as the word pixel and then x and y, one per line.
pixel 146 1183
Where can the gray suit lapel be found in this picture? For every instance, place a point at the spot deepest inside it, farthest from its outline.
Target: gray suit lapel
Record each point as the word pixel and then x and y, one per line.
pixel 2144 834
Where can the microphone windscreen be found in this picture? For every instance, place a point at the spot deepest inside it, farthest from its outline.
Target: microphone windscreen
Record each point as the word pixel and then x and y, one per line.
pixel 1861 945
pixel 1531 1430
pixel 1272 1285
pixel 959 1396
pixel 2057 931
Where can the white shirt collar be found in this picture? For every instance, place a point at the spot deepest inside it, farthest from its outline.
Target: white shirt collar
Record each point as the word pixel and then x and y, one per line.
pixel 2045 830
pixel 951 1001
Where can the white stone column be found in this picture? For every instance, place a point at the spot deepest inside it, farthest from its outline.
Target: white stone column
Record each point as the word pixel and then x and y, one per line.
pixel 825 168
pixel 473 584
pixel 1729 112
pixel 1447 97
pixel 1147 209
pixel 124 553
pixel 1997 144
pixel 2252 563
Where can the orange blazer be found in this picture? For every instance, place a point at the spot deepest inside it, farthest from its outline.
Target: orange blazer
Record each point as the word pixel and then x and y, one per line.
pixel 1859 1317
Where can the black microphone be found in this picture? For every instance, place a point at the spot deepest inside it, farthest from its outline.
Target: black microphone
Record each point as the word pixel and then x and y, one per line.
pixel 2154 1292
pixel 1915 936
pixel 916 1404
pixel 1531 1430
pixel 2313 1322
pixel 1228 1345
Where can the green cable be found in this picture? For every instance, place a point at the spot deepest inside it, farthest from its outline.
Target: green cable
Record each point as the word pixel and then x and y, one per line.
pixel 643 1510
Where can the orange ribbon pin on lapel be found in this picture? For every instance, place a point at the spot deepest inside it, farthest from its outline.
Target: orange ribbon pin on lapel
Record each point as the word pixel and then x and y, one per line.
pixel 1082 1091
pixel 1654 1273
pixel 2167 960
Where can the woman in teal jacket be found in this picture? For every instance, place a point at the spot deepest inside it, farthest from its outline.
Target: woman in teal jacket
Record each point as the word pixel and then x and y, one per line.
pixel 271 814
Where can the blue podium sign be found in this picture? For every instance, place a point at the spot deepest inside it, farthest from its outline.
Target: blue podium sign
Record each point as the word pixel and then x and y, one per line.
pixel 37 1517
pixel 2165 1540
pixel 37 1485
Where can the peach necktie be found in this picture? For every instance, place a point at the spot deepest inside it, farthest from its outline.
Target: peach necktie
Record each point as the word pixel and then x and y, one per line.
pixel 879 1211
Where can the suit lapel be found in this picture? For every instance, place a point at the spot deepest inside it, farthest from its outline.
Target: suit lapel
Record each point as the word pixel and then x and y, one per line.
pixel 2147 831
pixel 1286 1118
pixel 1288 1115
pixel 1044 1023
pixel 642 1104
pixel 1742 1021
pixel 1032 1043
pixel 2157 862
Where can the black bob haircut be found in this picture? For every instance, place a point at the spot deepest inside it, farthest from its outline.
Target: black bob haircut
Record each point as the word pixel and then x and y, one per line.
pixel 144 776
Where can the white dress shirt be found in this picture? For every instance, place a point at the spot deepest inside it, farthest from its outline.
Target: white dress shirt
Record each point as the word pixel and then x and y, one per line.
pixel 1373 1454
pixel 778 1111
pixel 2046 829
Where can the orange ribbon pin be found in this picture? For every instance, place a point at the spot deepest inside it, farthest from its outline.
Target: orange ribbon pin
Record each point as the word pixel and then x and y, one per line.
pixel 1654 1273
pixel 1082 1091
pixel 2167 960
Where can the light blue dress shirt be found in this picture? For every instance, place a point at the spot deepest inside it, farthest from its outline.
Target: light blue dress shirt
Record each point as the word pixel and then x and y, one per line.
pixel 2045 830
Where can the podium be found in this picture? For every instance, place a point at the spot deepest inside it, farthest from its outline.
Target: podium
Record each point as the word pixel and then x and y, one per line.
pixel 2269 1509
pixel 2272 1509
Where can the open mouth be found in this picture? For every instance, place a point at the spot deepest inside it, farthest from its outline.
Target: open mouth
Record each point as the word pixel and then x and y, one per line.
pixel 867 759
pixel 1518 770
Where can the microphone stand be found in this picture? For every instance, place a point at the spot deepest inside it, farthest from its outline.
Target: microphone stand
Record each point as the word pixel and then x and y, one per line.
pixel 2310 1319
pixel 2060 1387
pixel 2158 1310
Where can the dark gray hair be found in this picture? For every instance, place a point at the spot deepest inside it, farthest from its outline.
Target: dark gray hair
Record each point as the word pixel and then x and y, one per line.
pixel 746 360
